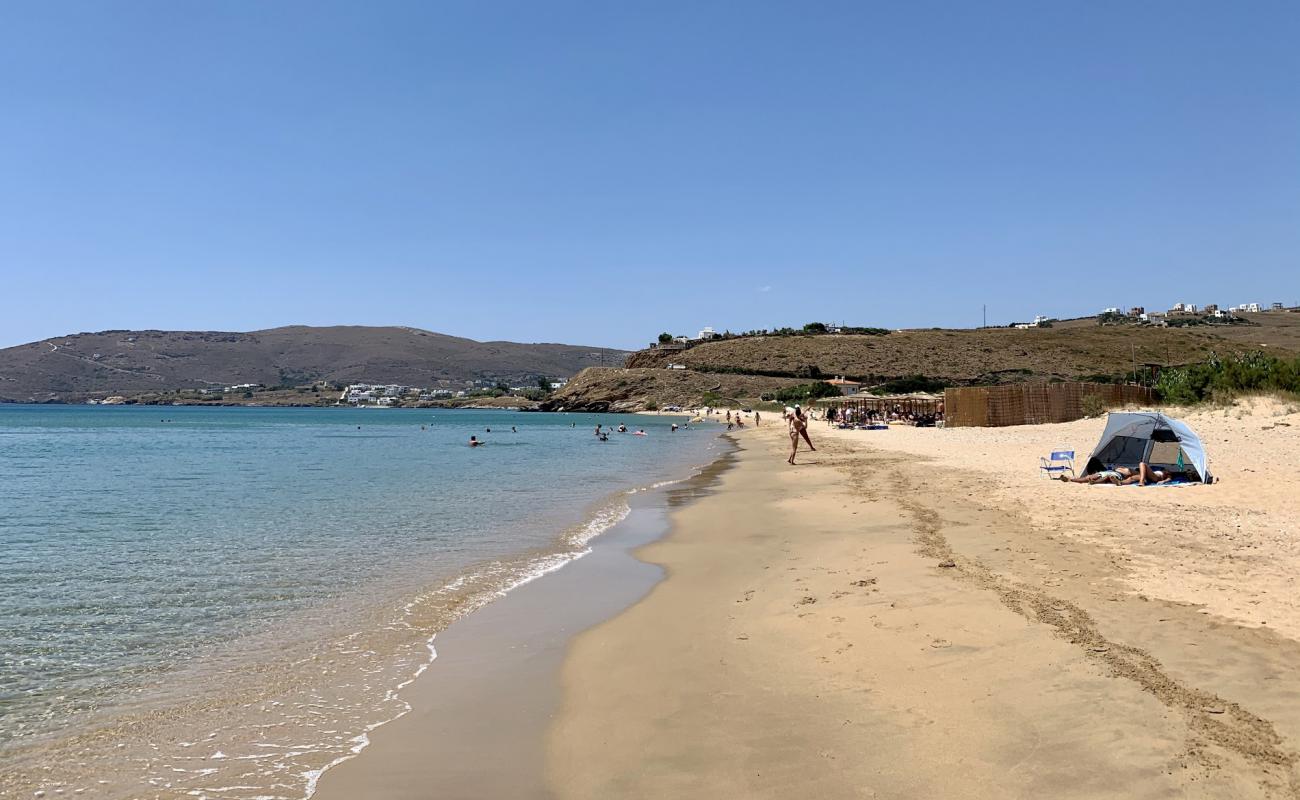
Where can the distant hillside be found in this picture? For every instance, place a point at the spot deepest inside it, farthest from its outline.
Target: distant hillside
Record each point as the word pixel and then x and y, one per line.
pixel 116 362
pixel 1072 349
pixel 636 389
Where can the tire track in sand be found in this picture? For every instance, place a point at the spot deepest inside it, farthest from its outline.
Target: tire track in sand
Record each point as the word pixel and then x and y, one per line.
pixel 1210 719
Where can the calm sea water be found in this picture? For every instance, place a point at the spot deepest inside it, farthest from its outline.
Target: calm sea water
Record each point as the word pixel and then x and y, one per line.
pixel 220 602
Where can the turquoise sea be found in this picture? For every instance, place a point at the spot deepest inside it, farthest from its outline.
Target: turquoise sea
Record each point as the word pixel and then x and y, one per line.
pixel 220 602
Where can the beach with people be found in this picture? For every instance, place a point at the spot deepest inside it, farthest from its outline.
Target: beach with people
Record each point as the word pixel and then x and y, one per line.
pixel 371 427
pixel 919 612
pixel 906 612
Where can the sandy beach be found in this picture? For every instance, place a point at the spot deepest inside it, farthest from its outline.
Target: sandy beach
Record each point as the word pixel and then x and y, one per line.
pixel 916 613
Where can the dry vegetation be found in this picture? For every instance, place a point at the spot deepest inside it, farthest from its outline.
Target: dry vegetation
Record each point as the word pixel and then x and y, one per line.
pixel 639 389
pixel 1070 350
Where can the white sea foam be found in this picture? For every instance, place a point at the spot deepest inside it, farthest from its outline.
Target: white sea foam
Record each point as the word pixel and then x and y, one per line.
pixel 602 521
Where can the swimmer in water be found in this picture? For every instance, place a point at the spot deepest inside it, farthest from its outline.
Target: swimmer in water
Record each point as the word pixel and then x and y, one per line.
pixel 674 427
pixel 474 442
pixel 512 429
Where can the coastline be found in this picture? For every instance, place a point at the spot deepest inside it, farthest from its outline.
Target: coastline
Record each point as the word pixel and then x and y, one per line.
pixel 879 623
pixel 264 712
pixel 477 717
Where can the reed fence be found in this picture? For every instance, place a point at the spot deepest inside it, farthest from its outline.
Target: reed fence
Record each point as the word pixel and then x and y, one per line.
pixel 1033 403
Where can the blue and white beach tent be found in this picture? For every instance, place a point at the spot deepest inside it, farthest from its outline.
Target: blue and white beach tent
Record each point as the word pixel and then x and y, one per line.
pixel 1162 442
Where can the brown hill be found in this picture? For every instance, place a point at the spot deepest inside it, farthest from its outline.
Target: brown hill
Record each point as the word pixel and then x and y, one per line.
pixel 1073 349
pixel 120 362
pixel 604 389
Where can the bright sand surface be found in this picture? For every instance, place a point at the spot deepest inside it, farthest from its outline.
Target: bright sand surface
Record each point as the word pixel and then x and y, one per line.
pixel 915 613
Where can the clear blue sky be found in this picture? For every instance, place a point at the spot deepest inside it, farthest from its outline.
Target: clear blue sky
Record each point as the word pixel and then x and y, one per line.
pixel 596 173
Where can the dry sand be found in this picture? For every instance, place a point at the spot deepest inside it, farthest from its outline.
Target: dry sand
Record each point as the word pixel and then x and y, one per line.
pixel 915 613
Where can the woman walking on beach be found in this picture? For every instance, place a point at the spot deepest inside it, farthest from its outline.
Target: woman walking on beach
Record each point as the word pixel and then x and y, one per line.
pixel 797 414
pixel 797 426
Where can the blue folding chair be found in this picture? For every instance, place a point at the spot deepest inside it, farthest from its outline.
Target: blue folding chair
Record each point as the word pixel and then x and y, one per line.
pixel 1060 461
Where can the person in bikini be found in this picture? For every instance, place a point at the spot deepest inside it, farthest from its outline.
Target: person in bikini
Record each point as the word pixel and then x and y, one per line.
pixel 798 427
pixel 1116 476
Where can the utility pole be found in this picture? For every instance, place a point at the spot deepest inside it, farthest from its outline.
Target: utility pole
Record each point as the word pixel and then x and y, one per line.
pixel 986 316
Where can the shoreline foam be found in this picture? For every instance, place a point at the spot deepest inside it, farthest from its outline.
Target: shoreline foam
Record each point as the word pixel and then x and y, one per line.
pixel 527 627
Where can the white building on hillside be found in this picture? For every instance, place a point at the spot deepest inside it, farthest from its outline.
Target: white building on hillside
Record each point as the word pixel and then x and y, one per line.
pixel 708 333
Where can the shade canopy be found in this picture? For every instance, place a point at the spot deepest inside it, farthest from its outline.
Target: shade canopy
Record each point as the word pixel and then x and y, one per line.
pixel 1162 442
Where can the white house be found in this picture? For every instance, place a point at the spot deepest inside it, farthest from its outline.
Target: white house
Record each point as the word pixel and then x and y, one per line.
pixel 708 333
pixel 1110 310
pixel 1249 308
pixel 845 386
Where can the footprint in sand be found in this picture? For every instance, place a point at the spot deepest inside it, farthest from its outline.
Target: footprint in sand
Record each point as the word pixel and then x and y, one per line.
pixel 806 600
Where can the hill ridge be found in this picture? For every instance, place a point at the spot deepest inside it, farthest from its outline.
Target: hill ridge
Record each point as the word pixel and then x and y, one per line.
pixel 77 366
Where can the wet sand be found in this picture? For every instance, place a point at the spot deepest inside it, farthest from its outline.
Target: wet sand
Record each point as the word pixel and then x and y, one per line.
pixel 478 715
pixel 880 623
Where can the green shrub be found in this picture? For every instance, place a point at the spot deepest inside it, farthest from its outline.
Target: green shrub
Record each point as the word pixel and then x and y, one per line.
pixel 911 383
pixel 1094 406
pixel 1220 379
pixel 805 391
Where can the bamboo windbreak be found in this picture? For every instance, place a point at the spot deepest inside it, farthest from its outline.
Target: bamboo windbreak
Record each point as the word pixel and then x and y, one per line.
pixel 1033 403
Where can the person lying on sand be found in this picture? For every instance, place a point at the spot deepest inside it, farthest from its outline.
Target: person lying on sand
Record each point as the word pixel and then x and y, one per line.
pixel 1148 475
pixel 1115 476
pixel 1126 476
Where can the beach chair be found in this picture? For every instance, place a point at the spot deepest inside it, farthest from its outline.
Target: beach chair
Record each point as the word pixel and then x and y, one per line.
pixel 1059 462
